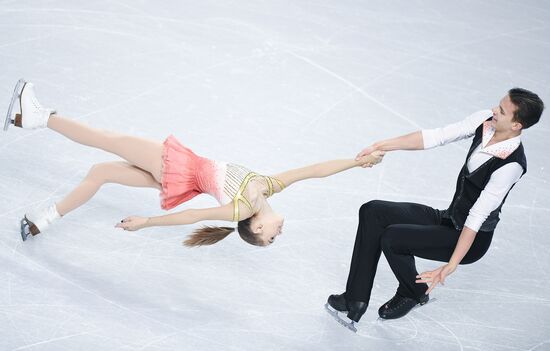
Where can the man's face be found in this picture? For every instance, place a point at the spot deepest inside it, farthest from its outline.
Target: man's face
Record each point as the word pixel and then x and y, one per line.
pixel 503 116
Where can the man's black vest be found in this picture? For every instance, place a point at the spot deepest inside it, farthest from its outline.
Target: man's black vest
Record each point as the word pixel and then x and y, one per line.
pixel 469 185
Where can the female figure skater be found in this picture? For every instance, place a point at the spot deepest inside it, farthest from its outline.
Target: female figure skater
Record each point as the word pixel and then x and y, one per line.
pixel 177 172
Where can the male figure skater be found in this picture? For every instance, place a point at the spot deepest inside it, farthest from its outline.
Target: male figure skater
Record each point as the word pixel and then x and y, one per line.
pixel 462 233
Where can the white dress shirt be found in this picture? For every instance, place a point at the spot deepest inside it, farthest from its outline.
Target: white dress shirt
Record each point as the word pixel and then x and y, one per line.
pixel 501 180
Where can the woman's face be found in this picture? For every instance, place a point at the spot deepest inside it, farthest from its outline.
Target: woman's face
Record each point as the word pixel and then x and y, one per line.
pixel 267 226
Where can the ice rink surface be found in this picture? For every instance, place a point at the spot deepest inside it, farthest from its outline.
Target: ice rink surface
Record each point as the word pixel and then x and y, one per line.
pixel 271 85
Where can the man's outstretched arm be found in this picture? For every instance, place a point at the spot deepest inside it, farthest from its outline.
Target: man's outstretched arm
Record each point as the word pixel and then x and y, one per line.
pixel 430 138
pixel 412 141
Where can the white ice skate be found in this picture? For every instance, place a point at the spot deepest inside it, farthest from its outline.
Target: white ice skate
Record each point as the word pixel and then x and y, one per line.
pixel 31 114
pixel 37 221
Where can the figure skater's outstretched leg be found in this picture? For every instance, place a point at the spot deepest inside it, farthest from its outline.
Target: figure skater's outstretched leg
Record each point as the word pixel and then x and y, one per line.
pixel 143 153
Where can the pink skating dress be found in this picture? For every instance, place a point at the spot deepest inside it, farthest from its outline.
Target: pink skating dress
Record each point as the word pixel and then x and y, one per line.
pixel 186 175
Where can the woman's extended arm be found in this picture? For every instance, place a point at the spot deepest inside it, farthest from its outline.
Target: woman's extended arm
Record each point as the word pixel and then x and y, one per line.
pixel 190 216
pixel 328 168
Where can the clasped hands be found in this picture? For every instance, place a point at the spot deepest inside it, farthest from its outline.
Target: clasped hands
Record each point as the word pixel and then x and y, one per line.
pixel 370 156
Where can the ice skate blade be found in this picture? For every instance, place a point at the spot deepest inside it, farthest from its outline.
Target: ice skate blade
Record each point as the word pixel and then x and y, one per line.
pixel 25 231
pixel 16 95
pixel 28 228
pixel 345 322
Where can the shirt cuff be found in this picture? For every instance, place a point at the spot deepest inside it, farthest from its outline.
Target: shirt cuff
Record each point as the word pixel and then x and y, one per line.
pixel 474 222
pixel 429 138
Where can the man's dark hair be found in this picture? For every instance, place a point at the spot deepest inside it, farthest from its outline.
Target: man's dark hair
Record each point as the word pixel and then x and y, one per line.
pixel 529 106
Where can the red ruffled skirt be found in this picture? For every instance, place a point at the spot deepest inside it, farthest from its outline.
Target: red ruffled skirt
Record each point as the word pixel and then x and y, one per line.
pixel 179 181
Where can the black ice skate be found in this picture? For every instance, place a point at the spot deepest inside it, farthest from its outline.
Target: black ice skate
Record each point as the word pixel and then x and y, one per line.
pixel 354 310
pixel 398 306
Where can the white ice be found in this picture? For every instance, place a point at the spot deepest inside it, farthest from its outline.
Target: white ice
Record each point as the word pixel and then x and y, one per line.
pixel 271 85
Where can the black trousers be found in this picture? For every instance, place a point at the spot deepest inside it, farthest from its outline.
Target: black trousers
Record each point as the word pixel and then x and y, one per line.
pixel 402 231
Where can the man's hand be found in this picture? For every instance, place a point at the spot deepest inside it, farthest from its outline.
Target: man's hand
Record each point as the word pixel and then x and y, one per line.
pixel 436 276
pixel 366 151
pixel 133 223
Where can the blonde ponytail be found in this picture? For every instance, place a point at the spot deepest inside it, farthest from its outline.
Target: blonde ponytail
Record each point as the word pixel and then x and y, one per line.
pixel 207 235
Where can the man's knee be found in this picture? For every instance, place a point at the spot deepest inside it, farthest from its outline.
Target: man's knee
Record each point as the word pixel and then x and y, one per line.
pixel 371 207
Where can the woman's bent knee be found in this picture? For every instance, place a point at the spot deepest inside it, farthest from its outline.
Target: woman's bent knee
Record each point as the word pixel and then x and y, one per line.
pixel 101 172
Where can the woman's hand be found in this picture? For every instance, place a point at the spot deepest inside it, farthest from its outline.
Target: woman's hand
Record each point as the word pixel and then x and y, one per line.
pixel 365 152
pixel 436 276
pixel 133 223
pixel 371 159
